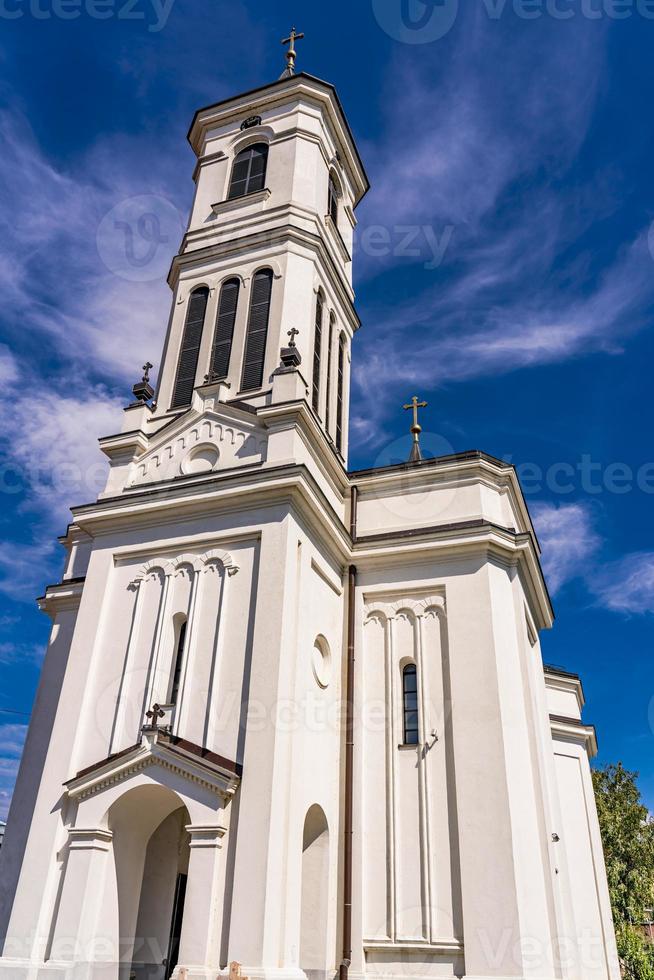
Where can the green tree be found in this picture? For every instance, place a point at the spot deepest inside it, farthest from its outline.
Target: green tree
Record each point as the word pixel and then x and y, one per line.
pixel 628 838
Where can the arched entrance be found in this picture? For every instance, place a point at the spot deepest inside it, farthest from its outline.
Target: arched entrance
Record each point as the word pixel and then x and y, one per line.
pixel 151 850
pixel 315 894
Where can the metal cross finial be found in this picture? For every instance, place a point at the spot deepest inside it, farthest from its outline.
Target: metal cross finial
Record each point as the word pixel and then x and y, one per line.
pixel 291 54
pixel 147 367
pixel 154 714
pixel 293 334
pixel 416 428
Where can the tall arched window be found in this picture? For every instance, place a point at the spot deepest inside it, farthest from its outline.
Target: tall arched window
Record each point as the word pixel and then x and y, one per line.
pixel 190 349
pixel 255 344
pixel 332 200
pixel 178 664
pixel 249 171
pixel 339 392
pixel 224 333
pixel 317 353
pixel 410 704
pixel 330 343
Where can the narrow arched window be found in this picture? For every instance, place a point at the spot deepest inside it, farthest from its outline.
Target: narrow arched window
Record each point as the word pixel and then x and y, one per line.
pixel 410 704
pixel 257 333
pixel 178 664
pixel 332 201
pixel 224 333
pixel 249 171
pixel 317 353
pixel 330 343
pixel 190 349
pixel 339 393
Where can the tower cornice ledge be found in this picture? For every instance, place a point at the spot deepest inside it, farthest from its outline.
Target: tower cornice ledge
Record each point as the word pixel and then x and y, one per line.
pixel 233 250
pixel 462 540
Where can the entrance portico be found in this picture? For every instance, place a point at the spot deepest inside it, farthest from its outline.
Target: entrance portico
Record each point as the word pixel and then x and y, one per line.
pixel 142 872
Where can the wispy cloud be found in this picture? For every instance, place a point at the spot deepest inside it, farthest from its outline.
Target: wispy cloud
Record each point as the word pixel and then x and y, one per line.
pixel 568 540
pixel 87 324
pixel 626 586
pixel 12 739
pixel 571 549
pixel 491 154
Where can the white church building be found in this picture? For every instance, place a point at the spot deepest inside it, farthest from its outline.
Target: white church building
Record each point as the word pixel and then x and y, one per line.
pixel 293 720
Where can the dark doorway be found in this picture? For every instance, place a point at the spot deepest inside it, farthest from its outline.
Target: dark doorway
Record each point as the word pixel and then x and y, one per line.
pixel 176 925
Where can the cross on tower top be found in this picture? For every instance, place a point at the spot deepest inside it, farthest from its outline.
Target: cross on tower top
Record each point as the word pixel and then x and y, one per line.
pixel 416 428
pixel 291 54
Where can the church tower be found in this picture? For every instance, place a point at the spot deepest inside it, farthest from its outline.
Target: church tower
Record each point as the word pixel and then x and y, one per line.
pixel 293 721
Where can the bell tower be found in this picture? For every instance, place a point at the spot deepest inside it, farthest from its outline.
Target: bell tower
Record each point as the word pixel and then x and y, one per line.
pixel 267 251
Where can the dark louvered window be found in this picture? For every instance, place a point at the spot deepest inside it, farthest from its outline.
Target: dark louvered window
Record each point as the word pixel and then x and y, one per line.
pixel 330 342
pixel 339 393
pixel 224 334
pixel 332 207
pixel 249 171
pixel 410 704
pixel 177 666
pixel 317 352
pixel 255 344
pixel 190 349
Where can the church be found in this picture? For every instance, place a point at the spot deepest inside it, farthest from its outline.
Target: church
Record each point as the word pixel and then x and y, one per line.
pixel 293 721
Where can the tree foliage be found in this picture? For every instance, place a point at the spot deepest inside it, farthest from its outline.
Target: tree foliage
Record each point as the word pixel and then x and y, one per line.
pixel 628 838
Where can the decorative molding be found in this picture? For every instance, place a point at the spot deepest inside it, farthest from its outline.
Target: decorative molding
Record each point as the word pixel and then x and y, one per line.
pixel 206 835
pixel 392 608
pixel 199 563
pixel 257 197
pixel 438 946
pixel 250 122
pixel 576 732
pixel 148 754
pixel 83 839
pixel 232 441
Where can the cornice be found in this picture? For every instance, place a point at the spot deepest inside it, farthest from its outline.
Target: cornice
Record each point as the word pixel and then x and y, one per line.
pixel 277 93
pixel 567 683
pixel 461 540
pixel 280 235
pixel 479 466
pixel 223 493
pixel 574 731
pixel 64 595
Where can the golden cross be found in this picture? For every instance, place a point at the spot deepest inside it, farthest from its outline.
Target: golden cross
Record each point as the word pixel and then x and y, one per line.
pixel 416 428
pixel 291 54
pixel 415 405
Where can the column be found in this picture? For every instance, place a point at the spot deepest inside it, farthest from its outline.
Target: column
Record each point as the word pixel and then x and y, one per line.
pixel 76 932
pixel 202 920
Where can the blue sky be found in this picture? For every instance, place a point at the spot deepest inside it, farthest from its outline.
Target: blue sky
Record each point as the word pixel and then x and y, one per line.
pixel 504 272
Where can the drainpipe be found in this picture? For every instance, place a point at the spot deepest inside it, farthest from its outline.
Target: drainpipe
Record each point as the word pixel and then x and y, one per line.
pixel 348 820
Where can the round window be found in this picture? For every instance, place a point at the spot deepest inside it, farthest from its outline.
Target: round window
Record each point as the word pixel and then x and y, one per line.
pixel 321 661
pixel 201 459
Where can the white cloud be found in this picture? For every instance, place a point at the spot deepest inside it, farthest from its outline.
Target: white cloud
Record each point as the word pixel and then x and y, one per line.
pixel 103 324
pixel 568 541
pixel 627 585
pixel 571 550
